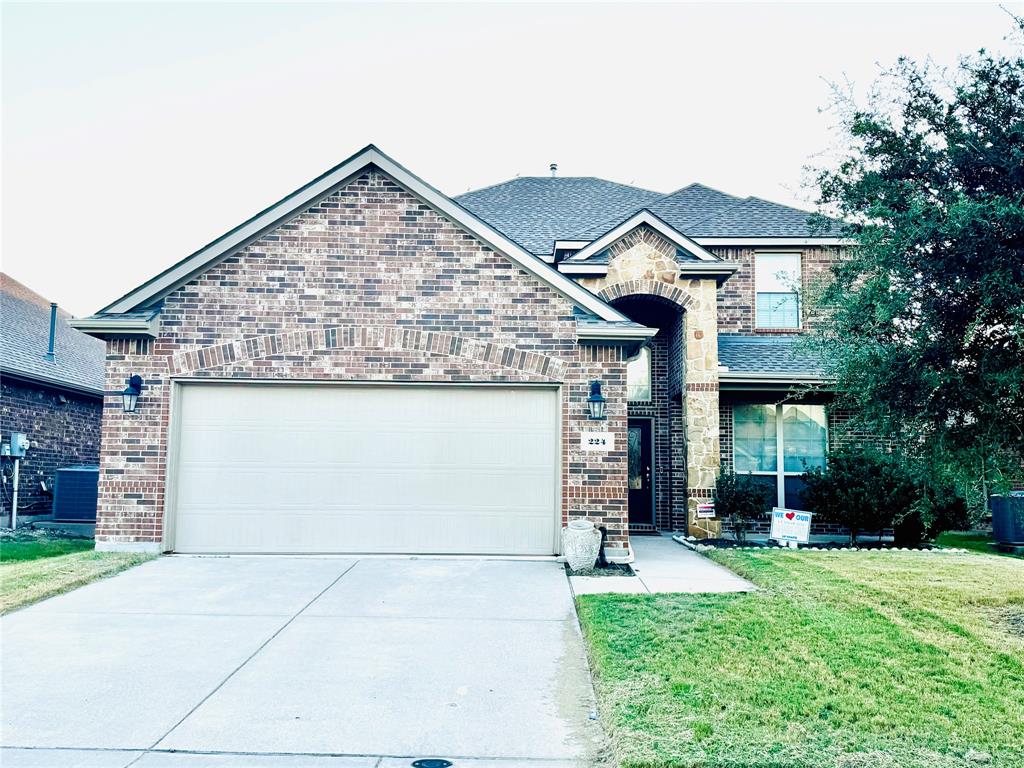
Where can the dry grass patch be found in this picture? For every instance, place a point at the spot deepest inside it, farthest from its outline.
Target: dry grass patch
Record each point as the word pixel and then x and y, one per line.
pixel 34 570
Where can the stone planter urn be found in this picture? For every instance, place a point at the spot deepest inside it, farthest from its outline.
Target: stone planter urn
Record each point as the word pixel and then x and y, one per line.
pixel 581 542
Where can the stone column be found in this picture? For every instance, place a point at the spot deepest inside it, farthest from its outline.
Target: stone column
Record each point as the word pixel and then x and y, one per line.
pixel 700 402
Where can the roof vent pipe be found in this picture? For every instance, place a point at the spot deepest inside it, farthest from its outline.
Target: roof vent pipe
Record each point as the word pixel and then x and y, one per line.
pixel 554 170
pixel 53 330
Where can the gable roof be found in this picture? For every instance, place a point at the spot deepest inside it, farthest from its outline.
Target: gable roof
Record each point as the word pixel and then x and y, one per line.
pixel 78 360
pixel 538 211
pixel 641 218
pixel 147 295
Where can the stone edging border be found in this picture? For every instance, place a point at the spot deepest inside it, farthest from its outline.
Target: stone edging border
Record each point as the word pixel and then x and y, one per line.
pixel 696 546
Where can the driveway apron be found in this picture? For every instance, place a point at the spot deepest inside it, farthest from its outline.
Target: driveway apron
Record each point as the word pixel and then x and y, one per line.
pixel 224 661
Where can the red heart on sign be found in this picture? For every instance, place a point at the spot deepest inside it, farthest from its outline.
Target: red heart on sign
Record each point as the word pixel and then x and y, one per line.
pixel 790 515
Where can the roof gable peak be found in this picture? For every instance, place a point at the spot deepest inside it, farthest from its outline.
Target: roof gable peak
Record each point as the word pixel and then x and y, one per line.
pixel 309 194
pixel 644 217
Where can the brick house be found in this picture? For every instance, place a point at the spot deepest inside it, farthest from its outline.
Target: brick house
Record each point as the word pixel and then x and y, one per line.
pixel 371 366
pixel 54 397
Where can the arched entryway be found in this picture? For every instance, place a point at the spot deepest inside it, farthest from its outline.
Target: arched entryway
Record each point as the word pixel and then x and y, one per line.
pixel 656 437
pixel 685 312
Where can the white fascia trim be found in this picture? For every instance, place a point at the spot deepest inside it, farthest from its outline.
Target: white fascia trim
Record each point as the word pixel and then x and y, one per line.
pixel 206 257
pixel 721 269
pixel 767 378
pixel 616 334
pixel 704 268
pixel 570 244
pixel 648 218
pixel 781 241
pixel 583 269
pixel 117 327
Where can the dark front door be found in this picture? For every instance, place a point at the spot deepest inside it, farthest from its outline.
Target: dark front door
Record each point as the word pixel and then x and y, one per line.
pixel 641 473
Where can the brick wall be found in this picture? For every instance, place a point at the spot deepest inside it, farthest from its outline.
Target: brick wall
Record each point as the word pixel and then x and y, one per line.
pixel 736 296
pixel 64 430
pixel 368 285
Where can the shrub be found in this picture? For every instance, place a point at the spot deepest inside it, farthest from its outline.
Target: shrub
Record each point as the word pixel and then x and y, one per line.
pixel 861 489
pixel 741 500
pixel 936 508
pixel 866 490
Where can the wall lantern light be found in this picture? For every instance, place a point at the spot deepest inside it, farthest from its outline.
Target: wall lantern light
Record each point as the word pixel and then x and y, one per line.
pixel 596 401
pixel 130 396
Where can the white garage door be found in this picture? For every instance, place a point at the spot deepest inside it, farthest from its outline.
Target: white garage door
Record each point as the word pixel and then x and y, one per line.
pixel 316 468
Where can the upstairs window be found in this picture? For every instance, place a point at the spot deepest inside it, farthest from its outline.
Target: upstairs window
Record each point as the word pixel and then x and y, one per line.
pixel 638 377
pixel 777 283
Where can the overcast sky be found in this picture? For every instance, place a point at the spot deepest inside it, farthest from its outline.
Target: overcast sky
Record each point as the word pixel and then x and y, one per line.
pixel 134 134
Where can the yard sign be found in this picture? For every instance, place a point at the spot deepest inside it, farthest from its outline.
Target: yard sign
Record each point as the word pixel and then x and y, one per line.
pixel 706 510
pixel 791 525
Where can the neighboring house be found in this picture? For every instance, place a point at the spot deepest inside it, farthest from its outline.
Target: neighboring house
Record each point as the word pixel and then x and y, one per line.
pixel 371 366
pixel 52 395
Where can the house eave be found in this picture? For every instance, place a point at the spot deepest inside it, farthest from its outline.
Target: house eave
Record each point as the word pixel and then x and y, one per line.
pixel 616 334
pixel 735 380
pixel 720 270
pixel 118 327
pixel 774 241
pixel 582 269
pixel 50 383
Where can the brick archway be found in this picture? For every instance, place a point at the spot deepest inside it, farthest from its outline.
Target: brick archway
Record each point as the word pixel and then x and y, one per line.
pixel 367 337
pixel 621 290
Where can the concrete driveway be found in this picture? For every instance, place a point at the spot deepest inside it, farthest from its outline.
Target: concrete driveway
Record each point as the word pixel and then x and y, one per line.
pixel 273 661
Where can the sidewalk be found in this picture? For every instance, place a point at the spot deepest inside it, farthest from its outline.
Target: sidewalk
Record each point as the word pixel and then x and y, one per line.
pixel 663 565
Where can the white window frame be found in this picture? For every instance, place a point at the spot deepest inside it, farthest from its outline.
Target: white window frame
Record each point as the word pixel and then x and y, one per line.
pixel 644 351
pixel 799 291
pixel 780 474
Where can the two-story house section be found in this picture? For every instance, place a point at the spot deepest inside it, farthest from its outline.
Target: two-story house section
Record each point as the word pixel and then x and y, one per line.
pixel 369 365
pixel 725 382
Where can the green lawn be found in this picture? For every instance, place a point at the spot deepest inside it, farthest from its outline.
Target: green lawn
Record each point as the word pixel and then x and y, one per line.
pixel 34 569
pixel 841 659
pixel 976 542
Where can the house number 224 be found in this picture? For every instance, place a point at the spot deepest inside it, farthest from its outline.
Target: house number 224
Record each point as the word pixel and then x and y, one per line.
pixel 597 441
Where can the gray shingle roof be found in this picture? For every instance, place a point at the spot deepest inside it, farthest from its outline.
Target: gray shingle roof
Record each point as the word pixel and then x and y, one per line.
pixel 767 355
pixel 25 334
pixel 681 209
pixel 754 217
pixel 537 211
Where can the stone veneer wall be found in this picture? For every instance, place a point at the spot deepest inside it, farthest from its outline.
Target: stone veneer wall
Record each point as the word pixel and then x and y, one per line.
pixel 63 429
pixel 370 284
pixel 642 263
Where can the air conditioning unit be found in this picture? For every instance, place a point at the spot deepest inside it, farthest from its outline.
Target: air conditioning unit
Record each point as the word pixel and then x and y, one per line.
pixel 74 494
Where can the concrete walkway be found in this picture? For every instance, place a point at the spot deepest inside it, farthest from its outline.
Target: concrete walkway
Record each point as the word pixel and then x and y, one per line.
pixel 663 565
pixel 312 662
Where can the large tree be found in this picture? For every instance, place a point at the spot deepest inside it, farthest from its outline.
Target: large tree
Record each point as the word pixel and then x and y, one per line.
pixel 922 327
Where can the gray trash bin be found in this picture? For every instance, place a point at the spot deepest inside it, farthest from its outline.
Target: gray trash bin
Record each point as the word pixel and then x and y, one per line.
pixel 1008 518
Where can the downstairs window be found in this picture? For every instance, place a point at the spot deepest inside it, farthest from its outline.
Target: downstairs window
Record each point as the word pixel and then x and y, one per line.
pixel 779 443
